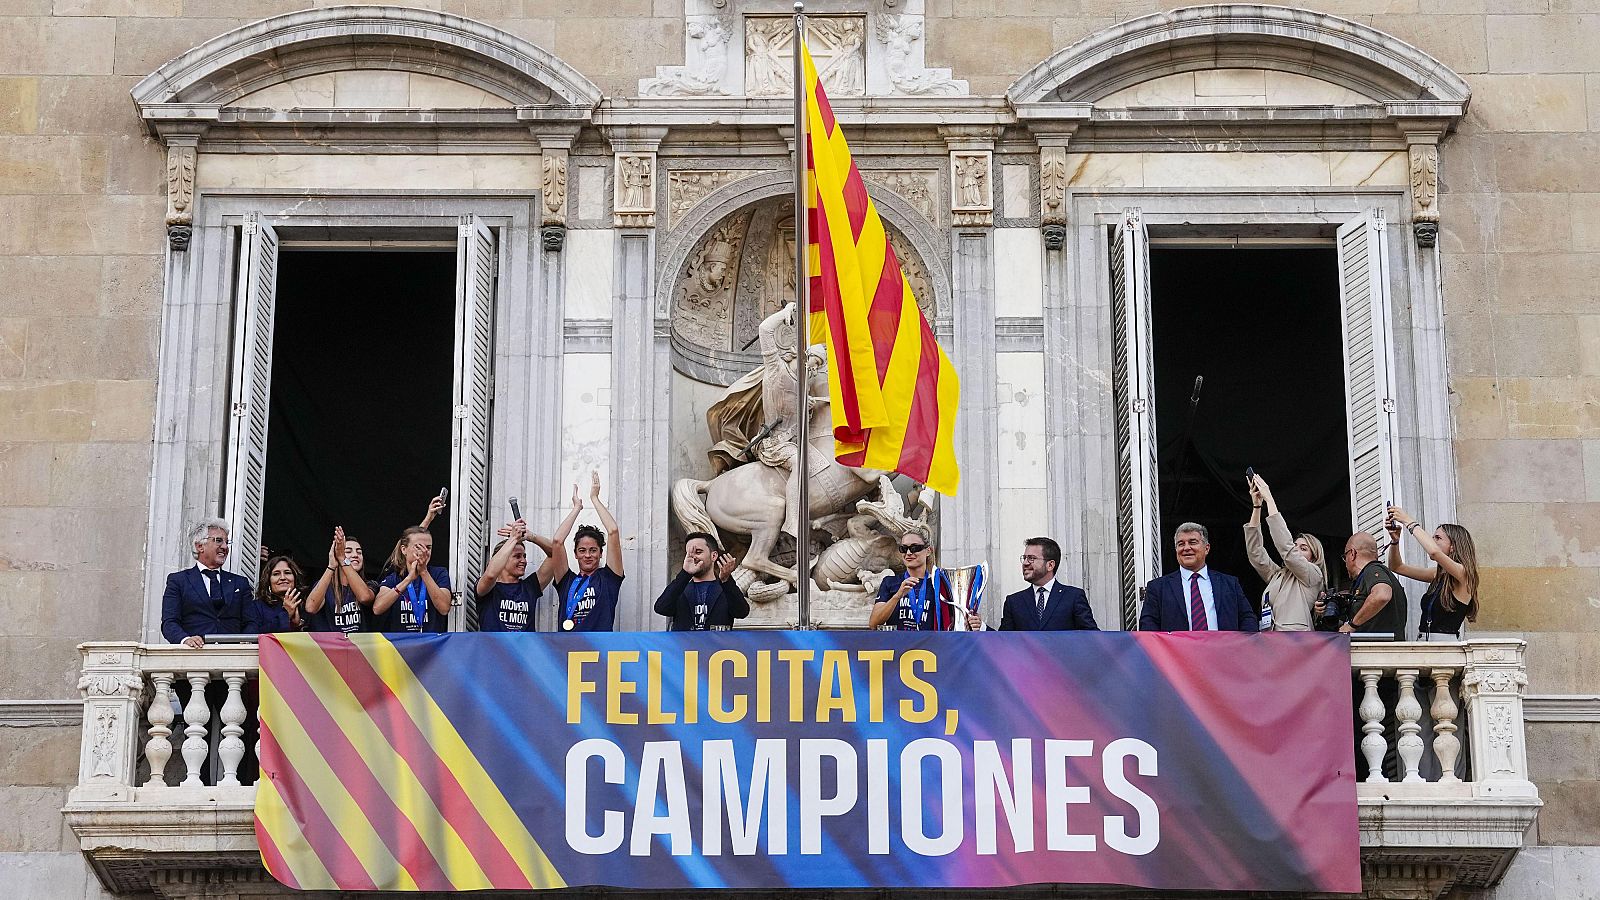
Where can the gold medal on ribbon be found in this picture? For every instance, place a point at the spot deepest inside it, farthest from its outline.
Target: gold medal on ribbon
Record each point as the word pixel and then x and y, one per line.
pixel 568 625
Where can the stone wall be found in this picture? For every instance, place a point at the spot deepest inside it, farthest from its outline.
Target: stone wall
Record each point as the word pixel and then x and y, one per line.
pixel 82 246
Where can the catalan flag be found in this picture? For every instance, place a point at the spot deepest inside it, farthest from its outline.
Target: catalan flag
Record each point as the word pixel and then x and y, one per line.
pixel 894 393
pixel 368 784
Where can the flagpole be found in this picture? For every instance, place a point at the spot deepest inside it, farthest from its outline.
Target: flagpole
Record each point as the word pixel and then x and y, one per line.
pixel 802 283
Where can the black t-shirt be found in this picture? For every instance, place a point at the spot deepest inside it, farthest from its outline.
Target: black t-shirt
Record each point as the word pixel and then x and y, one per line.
pixel 1392 618
pixel 343 612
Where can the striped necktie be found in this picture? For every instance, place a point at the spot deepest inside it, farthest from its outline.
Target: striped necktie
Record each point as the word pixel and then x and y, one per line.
pixel 1197 607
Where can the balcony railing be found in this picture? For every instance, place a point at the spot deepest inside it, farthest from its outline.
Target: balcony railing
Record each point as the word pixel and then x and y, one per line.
pixel 166 788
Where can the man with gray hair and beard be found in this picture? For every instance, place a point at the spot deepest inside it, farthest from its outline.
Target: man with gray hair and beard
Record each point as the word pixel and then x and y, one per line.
pixel 1195 598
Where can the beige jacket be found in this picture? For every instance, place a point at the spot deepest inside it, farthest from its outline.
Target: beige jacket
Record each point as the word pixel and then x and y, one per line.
pixel 1292 587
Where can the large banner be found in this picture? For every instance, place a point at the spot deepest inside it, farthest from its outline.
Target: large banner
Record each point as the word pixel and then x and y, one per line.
pixel 810 759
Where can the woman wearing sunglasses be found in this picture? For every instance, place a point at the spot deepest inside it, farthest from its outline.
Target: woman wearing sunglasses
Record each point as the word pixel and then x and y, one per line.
pixel 920 599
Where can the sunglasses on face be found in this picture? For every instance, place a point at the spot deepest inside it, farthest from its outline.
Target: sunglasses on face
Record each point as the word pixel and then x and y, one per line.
pixel 913 548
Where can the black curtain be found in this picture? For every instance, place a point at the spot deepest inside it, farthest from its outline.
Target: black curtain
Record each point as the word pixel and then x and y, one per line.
pixel 1263 328
pixel 359 433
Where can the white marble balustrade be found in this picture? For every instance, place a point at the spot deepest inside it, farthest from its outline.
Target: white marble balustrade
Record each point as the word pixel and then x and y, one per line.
pixel 1476 685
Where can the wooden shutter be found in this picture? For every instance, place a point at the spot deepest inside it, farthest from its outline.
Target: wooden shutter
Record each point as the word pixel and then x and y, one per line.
pixel 476 257
pixel 1138 509
pixel 1368 369
pixel 254 301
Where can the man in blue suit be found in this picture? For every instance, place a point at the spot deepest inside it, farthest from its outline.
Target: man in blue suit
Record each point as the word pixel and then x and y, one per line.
pixel 1195 598
pixel 203 599
pixel 1046 604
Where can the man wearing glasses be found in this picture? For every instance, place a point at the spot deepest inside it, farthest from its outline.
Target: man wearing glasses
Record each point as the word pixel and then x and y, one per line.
pixel 203 599
pixel 919 600
pixel 1381 598
pixel 1046 604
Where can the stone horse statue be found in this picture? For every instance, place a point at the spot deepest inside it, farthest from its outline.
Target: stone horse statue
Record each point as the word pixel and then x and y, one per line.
pixel 755 497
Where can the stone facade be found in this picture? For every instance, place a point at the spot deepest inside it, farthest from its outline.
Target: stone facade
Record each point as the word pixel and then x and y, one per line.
pixel 99 208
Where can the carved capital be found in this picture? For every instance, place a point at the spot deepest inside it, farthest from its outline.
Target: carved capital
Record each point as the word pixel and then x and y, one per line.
pixel 971 187
pixel 123 685
pixel 553 187
pixel 634 190
pixel 1053 185
pixel 1424 166
pixel 181 160
pixel 1495 681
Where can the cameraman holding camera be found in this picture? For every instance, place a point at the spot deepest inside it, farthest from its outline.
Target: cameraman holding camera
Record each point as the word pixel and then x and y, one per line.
pixel 1375 593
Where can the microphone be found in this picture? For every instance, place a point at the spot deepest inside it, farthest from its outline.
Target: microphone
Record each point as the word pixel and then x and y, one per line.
pixel 516 512
pixel 1194 397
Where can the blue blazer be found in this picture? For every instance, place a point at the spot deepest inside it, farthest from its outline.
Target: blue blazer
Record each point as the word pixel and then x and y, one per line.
pixel 1067 609
pixel 187 609
pixel 1166 604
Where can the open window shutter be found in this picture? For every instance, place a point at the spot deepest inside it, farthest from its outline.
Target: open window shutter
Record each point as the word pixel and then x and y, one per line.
pixel 1138 511
pixel 1368 369
pixel 473 399
pixel 254 302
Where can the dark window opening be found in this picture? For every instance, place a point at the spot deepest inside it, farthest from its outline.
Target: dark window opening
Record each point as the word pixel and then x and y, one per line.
pixel 1263 328
pixel 359 429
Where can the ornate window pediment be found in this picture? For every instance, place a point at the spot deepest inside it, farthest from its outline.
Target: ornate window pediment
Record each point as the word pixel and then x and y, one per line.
pixel 363 57
pixel 1260 63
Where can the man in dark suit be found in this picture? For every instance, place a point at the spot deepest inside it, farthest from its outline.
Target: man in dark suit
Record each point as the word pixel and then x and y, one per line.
pixel 1046 604
pixel 1195 598
pixel 203 599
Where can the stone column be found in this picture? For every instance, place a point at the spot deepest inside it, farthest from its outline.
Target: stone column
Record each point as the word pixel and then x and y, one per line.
pixel 970 520
pixel 639 378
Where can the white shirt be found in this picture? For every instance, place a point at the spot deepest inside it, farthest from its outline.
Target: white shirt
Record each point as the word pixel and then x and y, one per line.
pixel 1205 595
pixel 206 581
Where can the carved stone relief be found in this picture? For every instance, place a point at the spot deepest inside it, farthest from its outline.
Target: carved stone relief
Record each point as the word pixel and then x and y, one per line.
pixel 899 34
pixel 105 743
pixel 707 62
pixel 837 43
pixel 685 188
pixel 741 272
pixel 705 293
pixel 920 189
pixel 553 189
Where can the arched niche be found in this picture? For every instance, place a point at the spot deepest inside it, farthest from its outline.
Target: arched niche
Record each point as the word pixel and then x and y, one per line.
pixel 1358 58
pixel 731 263
pixel 310 42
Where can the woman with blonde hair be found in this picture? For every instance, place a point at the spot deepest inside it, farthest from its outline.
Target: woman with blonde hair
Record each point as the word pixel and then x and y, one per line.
pixel 1292 588
pixel 1452 595
pixel 414 596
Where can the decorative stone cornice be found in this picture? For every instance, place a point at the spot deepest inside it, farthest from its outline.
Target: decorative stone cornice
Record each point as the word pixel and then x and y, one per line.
pixel 276 49
pixel 1333 49
pixel 41 713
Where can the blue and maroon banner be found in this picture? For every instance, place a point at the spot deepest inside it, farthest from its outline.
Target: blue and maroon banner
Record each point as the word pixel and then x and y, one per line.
pixel 810 759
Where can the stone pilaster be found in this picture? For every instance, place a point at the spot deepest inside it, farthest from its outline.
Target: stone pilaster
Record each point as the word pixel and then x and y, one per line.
pixel 639 376
pixel 969 521
pixel 1493 681
pixel 111 686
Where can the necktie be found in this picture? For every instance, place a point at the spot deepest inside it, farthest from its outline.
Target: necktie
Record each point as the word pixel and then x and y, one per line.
pixel 1043 599
pixel 213 585
pixel 1197 607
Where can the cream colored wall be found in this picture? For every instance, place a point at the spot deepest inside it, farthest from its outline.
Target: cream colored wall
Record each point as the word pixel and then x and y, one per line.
pixel 309 171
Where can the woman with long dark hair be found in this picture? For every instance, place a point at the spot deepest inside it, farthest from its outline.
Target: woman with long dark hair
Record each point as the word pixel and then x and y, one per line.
pixel 278 596
pixel 1452 595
